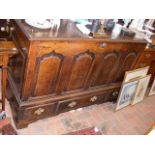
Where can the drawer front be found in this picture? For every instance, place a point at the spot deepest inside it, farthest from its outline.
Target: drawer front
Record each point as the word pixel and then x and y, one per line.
pixel 76 103
pixel 38 112
pixel 79 102
pixel 112 95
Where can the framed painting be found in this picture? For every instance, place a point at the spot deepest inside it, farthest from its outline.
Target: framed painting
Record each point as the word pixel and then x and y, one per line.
pixel 152 90
pixel 135 74
pixel 126 95
pixel 141 89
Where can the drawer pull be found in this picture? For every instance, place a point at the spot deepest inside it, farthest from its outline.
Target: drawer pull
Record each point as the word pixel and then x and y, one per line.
pixel 12 28
pixel 115 93
pixel 72 104
pixel 2 29
pixel 147 55
pixel 39 111
pixel 93 99
pixel 103 45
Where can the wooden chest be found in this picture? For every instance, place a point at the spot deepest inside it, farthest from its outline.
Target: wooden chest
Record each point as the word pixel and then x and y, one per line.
pixel 147 58
pixel 62 71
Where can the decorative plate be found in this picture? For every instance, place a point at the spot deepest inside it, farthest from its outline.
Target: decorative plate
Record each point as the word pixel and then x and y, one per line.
pixel 41 24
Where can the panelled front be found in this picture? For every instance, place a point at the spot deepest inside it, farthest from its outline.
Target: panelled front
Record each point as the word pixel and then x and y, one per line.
pixel 69 67
pixel 61 67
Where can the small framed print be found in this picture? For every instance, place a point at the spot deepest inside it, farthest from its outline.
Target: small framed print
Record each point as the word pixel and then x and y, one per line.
pixel 135 74
pixel 141 89
pixel 126 95
pixel 152 90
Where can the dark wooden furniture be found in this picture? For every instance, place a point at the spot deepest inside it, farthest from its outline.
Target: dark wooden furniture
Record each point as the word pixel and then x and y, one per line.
pixel 7 49
pixel 5 30
pixel 147 58
pixel 58 71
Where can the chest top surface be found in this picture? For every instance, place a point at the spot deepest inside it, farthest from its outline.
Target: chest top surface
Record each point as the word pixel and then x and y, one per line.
pixel 67 31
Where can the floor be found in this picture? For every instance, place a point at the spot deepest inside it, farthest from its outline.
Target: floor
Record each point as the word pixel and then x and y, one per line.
pixel 132 120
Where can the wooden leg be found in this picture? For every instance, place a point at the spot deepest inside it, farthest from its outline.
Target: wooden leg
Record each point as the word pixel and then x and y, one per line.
pixel 4 78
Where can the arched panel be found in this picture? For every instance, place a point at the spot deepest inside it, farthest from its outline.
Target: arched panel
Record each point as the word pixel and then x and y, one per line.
pixel 81 66
pixel 47 72
pixel 127 64
pixel 107 66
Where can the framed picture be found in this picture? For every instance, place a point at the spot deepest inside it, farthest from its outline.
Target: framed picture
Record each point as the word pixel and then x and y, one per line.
pixel 152 90
pixel 141 89
pixel 126 95
pixel 151 131
pixel 135 74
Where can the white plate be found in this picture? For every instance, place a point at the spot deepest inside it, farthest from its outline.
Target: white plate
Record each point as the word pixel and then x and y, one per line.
pixel 41 24
pixel 83 28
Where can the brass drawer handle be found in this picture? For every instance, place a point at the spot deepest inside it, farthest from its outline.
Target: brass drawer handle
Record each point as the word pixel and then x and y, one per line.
pixel 93 99
pixel 39 111
pixel 72 104
pixel 115 93
pixel 12 28
pixel 2 29
pixel 103 45
pixel 147 55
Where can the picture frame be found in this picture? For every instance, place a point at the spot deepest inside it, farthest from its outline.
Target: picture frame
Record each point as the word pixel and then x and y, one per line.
pixel 126 94
pixel 152 90
pixel 135 74
pixel 141 89
pixel 151 131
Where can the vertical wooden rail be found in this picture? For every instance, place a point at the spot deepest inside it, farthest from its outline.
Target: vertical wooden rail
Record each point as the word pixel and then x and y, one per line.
pixel 5 59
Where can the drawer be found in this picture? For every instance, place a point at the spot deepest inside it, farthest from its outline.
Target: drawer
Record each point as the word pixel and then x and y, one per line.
pixel 38 112
pixel 113 95
pixel 79 102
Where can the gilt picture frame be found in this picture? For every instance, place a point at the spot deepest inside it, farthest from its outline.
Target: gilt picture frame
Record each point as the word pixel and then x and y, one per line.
pixel 135 74
pixel 141 89
pixel 126 94
pixel 152 90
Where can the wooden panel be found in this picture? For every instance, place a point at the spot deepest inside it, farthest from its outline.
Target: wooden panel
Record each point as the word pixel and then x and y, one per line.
pixel 105 68
pixel 128 60
pixel 47 72
pixel 82 64
pixel 147 59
